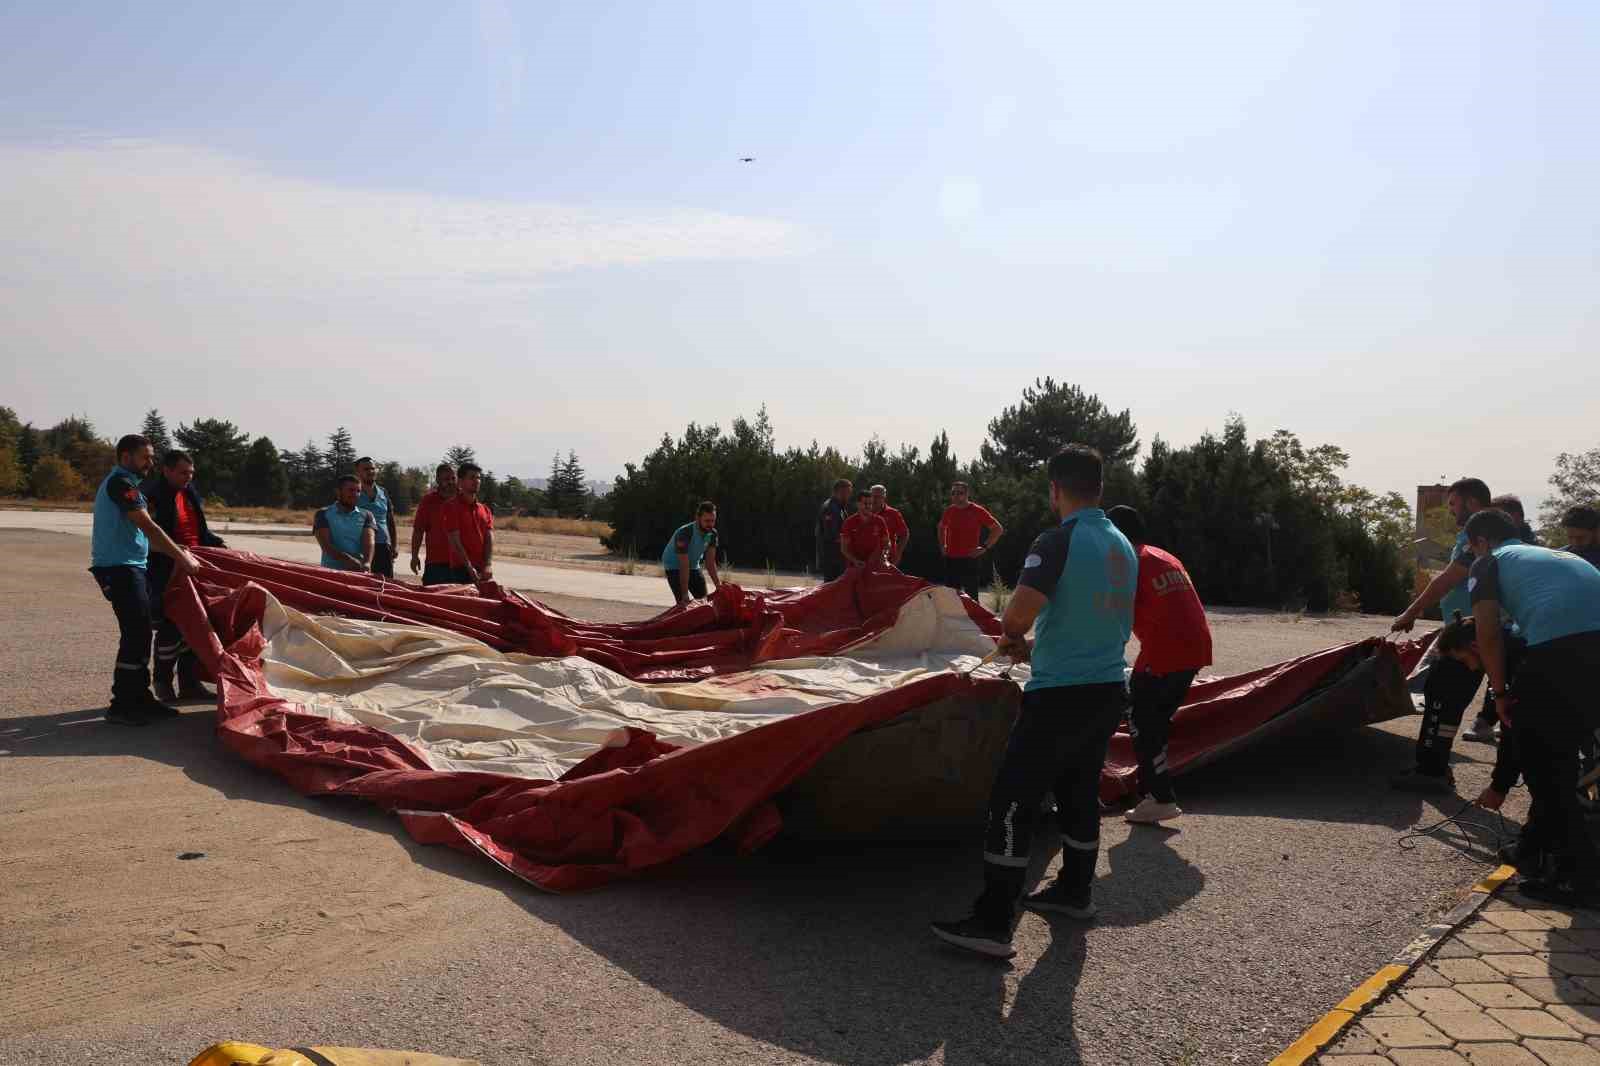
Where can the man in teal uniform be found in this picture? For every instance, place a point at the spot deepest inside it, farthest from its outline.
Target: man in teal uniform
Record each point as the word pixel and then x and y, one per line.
pixel 1450 685
pixel 1078 583
pixel 689 544
pixel 375 502
pixel 119 555
pixel 1554 599
pixel 348 534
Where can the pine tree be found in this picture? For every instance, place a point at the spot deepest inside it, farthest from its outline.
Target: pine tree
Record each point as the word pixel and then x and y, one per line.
pixel 155 430
pixel 341 453
pixel 555 489
pixel 218 448
pixel 460 453
pixel 574 487
pixel 263 481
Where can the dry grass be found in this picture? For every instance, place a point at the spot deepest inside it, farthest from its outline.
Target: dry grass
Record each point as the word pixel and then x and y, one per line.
pixel 570 527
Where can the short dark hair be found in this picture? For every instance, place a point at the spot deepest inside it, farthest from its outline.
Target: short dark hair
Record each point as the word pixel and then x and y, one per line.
pixel 441 468
pixel 131 443
pixel 1128 520
pixel 1457 634
pixel 1492 525
pixel 176 456
pixel 365 459
pixel 1511 504
pixel 1079 471
pixel 842 483
pixel 960 485
pixel 1581 517
pixel 1471 488
pixel 348 479
pixel 705 507
pixel 468 468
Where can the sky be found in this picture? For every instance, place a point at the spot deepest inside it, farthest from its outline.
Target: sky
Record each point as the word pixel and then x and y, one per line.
pixel 527 227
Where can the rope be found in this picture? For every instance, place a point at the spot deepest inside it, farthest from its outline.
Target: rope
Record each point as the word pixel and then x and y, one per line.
pixel 1503 832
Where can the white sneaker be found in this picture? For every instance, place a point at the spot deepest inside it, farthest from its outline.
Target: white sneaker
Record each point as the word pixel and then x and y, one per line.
pixel 1151 812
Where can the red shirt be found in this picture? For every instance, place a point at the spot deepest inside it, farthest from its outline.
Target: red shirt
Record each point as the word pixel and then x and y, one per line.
pixel 866 535
pixel 186 528
pixel 898 530
pixel 1168 618
pixel 429 517
pixel 961 526
pixel 473 521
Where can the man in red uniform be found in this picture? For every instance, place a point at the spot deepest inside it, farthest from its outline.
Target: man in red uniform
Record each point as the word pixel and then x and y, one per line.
pixel 864 540
pixel 899 532
pixel 427 525
pixel 1174 643
pixel 469 527
pixel 962 541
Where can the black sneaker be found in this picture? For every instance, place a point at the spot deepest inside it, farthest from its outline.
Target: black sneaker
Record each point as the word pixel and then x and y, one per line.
pixel 132 716
pixel 165 693
pixel 974 934
pixel 194 690
pixel 1417 780
pixel 1563 893
pixel 1057 899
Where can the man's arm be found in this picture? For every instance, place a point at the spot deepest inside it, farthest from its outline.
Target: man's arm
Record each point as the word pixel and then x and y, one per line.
pixel 683 576
pixel 418 528
pixel 943 537
pixel 901 540
pixel 488 555
pixel 996 531
pixel 1442 583
pixel 324 537
pixel 394 532
pixel 1024 607
pixel 711 566
pixel 844 549
pixel 1491 646
pixel 369 544
pixel 162 543
pixel 1040 578
pixel 458 552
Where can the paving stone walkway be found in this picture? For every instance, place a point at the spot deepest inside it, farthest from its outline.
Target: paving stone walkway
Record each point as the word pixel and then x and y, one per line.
pixel 1517 985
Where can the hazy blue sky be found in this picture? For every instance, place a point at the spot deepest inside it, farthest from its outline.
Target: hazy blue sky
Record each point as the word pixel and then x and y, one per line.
pixel 526 227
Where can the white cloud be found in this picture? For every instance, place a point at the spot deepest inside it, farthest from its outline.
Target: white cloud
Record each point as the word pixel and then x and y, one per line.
pixel 149 211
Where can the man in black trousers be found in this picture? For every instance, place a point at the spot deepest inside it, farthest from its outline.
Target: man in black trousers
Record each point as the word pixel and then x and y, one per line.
pixel 176 508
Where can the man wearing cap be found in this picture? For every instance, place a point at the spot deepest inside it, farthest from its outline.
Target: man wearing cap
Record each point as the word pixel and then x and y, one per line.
pixel 119 552
pixel 1554 599
pixel 375 502
pixel 966 531
pixel 899 532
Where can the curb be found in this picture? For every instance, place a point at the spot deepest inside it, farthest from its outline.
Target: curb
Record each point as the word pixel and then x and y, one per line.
pixel 1368 992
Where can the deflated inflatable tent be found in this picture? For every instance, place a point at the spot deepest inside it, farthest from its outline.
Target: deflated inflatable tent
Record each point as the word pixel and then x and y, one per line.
pixel 573 752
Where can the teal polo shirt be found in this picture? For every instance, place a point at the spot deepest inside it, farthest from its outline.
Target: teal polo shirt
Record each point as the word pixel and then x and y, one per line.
pixel 1549 594
pixel 377 505
pixel 116 541
pixel 691 540
pixel 1088 573
pixel 344 529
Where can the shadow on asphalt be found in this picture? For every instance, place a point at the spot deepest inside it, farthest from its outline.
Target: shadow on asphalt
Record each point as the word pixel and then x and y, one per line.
pixel 823 948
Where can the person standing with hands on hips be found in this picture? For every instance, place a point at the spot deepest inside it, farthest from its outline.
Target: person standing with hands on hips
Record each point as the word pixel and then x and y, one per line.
pixel 962 539
pixel 1076 592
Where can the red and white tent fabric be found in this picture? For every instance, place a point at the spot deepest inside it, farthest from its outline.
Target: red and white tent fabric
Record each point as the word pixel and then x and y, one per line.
pixel 573 752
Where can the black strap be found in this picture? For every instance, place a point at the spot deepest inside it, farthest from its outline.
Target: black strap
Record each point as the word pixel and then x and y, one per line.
pixel 317 1057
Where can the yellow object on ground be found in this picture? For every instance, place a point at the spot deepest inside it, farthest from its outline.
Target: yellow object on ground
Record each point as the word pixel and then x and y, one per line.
pixel 235 1053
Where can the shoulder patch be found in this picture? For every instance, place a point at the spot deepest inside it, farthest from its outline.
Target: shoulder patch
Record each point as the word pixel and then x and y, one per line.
pixel 1472 583
pixel 1033 559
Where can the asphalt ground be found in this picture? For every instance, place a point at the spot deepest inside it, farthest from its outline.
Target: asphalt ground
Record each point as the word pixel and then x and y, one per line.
pixel 310 921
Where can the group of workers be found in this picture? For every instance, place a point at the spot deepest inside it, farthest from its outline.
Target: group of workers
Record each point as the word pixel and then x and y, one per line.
pixel 1527 618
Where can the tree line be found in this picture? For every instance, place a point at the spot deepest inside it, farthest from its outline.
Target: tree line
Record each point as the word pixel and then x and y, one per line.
pixel 1262 522
pixel 68 460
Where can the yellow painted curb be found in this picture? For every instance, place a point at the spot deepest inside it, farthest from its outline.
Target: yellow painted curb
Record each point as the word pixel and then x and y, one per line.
pixel 1492 883
pixel 1313 1039
pixel 1369 990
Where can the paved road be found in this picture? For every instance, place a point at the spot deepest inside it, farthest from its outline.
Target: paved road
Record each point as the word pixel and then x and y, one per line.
pixel 310 921
pixel 646 588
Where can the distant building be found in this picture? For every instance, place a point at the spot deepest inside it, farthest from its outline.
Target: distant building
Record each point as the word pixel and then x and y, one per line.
pixel 1430 498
